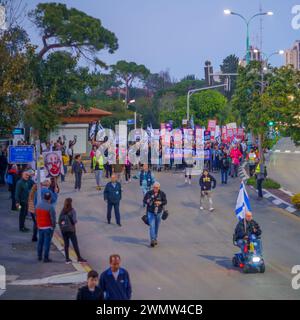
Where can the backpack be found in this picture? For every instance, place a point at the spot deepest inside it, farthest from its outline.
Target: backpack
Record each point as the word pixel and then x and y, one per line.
pixel 9 178
pixel 66 222
pixel 225 163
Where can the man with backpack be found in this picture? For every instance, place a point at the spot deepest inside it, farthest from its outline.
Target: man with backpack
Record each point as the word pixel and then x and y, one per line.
pixel 224 165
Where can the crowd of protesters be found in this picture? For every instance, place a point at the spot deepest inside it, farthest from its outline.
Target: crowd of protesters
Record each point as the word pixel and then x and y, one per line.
pixel 114 283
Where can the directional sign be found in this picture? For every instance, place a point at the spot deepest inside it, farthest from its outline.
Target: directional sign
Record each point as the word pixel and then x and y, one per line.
pixel 20 154
pixel 18 131
pixel 130 121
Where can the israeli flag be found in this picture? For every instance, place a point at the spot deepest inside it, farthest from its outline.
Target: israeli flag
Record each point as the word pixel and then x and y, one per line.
pixel 242 203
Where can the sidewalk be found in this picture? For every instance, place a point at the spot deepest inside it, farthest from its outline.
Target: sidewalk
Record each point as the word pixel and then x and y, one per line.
pixel 18 256
pixel 278 197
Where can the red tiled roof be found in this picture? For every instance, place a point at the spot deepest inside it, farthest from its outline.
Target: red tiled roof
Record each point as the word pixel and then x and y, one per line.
pixel 93 112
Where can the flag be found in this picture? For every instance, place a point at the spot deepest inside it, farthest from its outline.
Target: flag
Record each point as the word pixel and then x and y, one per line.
pixel 242 203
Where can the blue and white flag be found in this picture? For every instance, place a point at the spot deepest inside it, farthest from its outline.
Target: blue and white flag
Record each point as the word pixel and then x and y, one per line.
pixel 242 202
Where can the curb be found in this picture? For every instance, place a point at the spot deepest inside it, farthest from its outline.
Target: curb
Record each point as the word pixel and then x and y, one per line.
pixel 270 196
pixel 58 241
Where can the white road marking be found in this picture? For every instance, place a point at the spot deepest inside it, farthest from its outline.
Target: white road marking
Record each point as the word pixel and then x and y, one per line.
pixel 291 209
pixel 277 150
pixel 277 202
pixel 66 278
pixel 287 151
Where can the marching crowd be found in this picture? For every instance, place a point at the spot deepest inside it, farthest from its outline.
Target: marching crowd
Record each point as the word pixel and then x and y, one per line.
pixel 114 283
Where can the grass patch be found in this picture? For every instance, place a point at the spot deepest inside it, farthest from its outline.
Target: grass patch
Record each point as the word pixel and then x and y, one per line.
pixel 267 183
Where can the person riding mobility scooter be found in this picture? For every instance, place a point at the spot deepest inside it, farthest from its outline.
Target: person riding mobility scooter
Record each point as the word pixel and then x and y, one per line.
pixel 247 237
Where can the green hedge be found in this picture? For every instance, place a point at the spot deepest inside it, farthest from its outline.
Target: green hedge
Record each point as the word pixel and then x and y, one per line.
pixel 267 183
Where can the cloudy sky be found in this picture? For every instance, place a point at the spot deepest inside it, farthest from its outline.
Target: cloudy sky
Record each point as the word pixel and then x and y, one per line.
pixel 180 35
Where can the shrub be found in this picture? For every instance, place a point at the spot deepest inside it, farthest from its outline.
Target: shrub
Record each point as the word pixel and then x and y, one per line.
pixel 267 183
pixel 296 200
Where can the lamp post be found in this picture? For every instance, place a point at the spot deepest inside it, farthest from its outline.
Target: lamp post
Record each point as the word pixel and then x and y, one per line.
pixel 247 22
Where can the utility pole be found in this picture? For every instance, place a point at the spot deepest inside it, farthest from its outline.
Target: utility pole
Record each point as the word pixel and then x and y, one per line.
pixel 38 165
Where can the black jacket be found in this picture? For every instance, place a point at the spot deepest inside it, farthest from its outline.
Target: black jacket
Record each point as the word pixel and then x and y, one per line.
pixel 207 183
pixel 224 163
pixel 111 194
pixel 161 196
pixel 85 294
pixel 240 232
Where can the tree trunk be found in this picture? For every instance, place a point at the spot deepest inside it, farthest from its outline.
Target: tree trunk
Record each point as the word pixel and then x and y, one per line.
pixel 260 148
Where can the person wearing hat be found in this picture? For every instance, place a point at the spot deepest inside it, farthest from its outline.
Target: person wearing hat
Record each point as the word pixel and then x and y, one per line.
pixel 46 222
pixel 23 188
pixel 207 182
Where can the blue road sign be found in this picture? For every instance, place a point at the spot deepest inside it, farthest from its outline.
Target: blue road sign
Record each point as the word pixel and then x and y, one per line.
pixel 18 131
pixel 20 154
pixel 130 121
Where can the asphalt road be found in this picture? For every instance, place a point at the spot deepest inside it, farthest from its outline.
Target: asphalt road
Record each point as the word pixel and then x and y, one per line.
pixel 284 166
pixel 193 258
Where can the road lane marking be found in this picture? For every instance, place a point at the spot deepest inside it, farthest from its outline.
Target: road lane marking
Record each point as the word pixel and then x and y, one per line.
pixel 277 202
pixel 65 278
pixel 287 151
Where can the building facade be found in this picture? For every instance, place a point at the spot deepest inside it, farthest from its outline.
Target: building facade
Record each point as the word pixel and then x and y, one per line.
pixel 292 56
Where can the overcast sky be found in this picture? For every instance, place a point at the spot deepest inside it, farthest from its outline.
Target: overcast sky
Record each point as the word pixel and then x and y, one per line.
pixel 180 35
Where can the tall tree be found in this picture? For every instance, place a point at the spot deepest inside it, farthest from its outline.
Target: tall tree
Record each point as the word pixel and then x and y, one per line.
pixel 277 101
pixel 128 72
pixel 15 82
pixel 230 65
pixel 203 106
pixel 58 82
pixel 61 27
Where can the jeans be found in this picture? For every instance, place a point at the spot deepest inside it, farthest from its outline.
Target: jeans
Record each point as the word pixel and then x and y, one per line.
pixel 108 170
pixel 154 222
pixel 13 199
pixel 64 175
pixel 188 173
pixel 117 211
pixel 35 230
pixel 98 176
pixel 224 175
pixel 23 214
pixel 127 172
pixel 207 194
pixel 78 176
pixel 241 244
pixel 259 187
pixel 44 242
pixel 234 170
pixel 67 236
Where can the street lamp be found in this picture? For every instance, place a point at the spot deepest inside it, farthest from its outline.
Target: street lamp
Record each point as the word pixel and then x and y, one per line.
pixel 247 22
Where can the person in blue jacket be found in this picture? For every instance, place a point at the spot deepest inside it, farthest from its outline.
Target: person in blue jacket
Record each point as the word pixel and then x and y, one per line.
pixel 115 281
pixel 113 196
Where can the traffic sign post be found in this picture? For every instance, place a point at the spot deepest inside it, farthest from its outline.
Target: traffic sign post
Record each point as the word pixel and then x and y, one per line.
pixel 130 121
pixel 20 154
